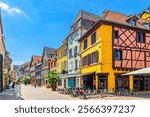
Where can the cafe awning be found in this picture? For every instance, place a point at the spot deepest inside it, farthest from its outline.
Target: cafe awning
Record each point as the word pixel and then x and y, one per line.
pixel 140 72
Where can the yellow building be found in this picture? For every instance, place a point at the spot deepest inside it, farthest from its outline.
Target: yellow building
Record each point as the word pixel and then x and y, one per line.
pixel 109 49
pixel 145 15
pixel 61 64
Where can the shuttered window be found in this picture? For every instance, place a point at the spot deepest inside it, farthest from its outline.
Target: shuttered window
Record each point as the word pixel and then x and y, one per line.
pixel 90 58
pixel 93 38
pixel 85 43
pixel 75 51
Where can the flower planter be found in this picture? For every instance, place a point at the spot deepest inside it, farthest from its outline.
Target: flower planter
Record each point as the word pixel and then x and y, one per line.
pixel 53 87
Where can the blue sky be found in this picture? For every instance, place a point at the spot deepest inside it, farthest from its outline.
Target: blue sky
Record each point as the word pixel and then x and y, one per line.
pixel 29 25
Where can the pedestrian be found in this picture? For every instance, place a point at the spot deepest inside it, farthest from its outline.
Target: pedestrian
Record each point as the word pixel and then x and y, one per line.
pixel 13 87
pixel 35 85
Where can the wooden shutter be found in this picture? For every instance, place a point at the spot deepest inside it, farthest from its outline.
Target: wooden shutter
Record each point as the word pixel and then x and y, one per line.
pixel 97 56
pixel 89 59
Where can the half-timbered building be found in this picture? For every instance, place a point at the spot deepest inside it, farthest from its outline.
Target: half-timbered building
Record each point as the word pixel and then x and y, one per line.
pixel 121 44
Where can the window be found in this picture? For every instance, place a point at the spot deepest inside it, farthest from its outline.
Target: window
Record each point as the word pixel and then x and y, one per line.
pixel 85 43
pixel 93 38
pixel 65 65
pixel 75 51
pixel 147 25
pixel 70 66
pixel 93 57
pixel 70 53
pixel 76 63
pixel 140 37
pixel 65 52
pixel 59 82
pixel 84 61
pixel 132 22
pixel 116 34
pixel 117 54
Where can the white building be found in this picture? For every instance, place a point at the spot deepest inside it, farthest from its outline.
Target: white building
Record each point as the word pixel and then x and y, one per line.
pixel 81 24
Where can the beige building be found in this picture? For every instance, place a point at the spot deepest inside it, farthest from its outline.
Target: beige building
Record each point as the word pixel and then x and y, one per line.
pixel 6 59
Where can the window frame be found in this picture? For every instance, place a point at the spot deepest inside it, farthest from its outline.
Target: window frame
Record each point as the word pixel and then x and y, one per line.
pixel 93 38
pixel 86 40
pixel 118 58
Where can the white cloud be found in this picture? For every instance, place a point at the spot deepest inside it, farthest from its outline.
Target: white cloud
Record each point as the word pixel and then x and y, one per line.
pixel 10 10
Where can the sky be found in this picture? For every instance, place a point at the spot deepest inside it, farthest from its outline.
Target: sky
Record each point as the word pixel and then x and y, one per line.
pixel 30 25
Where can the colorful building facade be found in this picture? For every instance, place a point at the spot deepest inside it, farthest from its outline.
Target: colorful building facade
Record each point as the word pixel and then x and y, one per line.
pixel 145 15
pixel 33 62
pixel 5 60
pixel 61 64
pixel 116 44
pixel 81 24
pixel 48 54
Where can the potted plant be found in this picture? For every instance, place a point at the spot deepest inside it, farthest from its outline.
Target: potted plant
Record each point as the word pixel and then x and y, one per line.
pixel 52 79
pixel 26 80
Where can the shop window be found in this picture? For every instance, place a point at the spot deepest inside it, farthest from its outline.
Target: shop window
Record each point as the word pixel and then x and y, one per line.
pixel 60 83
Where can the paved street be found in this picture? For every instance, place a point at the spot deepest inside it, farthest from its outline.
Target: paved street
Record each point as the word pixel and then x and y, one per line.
pixel 38 93
pixel 8 94
pixel 41 93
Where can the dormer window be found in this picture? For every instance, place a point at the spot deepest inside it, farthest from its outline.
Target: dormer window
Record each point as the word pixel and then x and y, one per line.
pixel 132 20
pixel 147 25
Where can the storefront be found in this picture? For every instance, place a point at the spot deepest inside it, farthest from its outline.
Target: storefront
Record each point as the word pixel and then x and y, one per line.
pixel 121 82
pixel 102 81
pixel 88 81
pixel 141 83
pixel 141 79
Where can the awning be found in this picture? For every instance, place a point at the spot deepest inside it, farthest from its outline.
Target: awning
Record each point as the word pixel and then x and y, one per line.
pixel 144 71
pixel 89 73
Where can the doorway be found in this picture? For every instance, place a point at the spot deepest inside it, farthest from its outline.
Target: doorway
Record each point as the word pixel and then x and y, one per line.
pixel 142 83
pixel 103 82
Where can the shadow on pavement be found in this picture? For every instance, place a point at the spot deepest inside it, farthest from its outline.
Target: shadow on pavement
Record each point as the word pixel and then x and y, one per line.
pixel 10 97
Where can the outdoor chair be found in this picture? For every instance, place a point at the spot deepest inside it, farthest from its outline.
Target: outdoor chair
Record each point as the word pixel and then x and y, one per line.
pixel 74 93
pixel 105 92
pixel 89 92
pixel 94 92
pixel 101 92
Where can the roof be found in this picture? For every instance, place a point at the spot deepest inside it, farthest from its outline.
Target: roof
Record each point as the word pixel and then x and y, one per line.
pixel 143 13
pixel 35 59
pixel 122 18
pixel 144 71
pixel 48 51
pixel 85 15
pixel 115 18
pixel 86 21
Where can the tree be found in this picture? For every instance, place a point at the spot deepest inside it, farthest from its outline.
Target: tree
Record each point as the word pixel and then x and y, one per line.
pixel 53 79
pixel 26 80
